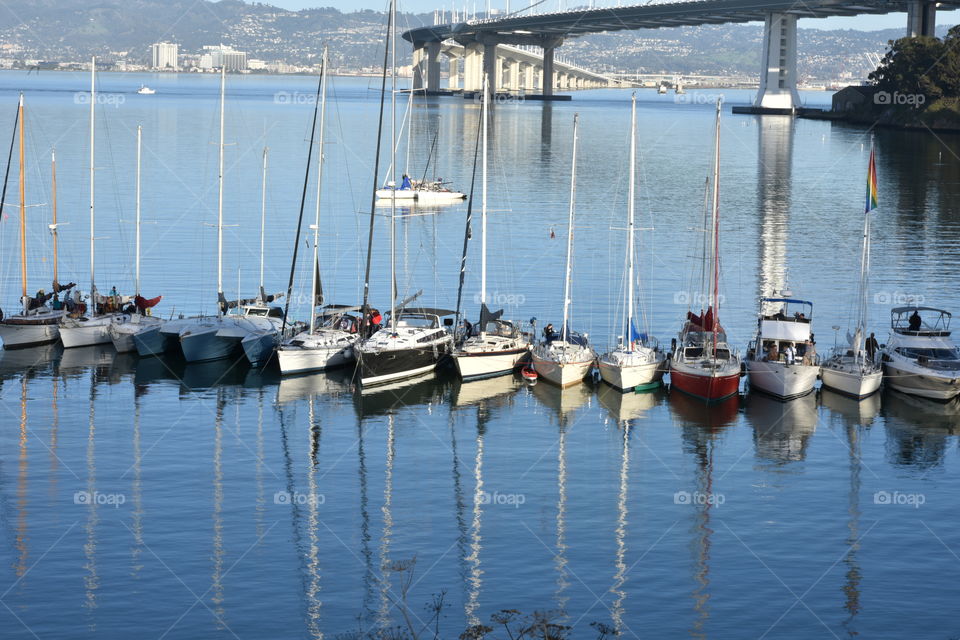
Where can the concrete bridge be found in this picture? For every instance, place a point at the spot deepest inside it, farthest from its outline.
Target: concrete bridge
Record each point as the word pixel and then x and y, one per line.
pixel 481 39
pixel 516 69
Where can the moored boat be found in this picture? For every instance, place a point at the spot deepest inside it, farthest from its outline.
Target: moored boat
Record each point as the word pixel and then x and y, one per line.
pixel 782 359
pixel 919 357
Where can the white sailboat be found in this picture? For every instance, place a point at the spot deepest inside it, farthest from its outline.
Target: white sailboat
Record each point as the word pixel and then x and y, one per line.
pixel 851 370
pixel 36 323
pixel 328 340
pixel 79 329
pixel 564 359
pixel 498 345
pixel 633 365
pixel 122 332
pixel 216 337
pixel 413 340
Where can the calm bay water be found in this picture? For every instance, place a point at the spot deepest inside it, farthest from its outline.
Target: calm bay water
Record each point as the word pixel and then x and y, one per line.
pixel 163 500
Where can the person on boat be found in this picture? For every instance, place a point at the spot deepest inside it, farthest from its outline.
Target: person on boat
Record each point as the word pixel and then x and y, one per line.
pixel 773 354
pixel 549 334
pixel 789 353
pixel 467 328
pixel 810 353
pixel 406 182
pixel 872 346
pixel 57 305
pixel 915 321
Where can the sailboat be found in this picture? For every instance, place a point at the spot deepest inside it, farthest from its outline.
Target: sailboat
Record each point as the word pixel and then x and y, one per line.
pixel 702 363
pixel 498 345
pixel 424 192
pixel 851 370
pixel 565 358
pixel 215 337
pixel 84 327
pixel 37 323
pixel 330 344
pixel 634 365
pixel 412 340
pixel 122 332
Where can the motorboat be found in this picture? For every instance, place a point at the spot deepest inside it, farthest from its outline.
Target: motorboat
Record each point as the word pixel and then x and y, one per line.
pixel 919 357
pixel 144 90
pixel 782 359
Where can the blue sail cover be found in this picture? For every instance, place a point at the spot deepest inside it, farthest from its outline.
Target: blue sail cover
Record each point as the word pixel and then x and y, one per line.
pixel 636 335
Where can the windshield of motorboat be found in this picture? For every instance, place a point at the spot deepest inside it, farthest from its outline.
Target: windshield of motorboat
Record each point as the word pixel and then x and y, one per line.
pixel 418 321
pixel 786 310
pixel 929 354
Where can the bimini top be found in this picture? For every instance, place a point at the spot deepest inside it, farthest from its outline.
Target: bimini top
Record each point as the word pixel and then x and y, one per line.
pixel 901 310
pixel 426 311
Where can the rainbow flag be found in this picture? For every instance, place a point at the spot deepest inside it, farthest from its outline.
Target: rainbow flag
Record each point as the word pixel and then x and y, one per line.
pixel 871 184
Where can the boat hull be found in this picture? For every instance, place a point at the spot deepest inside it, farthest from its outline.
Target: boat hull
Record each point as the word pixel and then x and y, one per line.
pixel 851 383
pixel 389 365
pixel 562 374
pixel 631 377
pixel 709 387
pixel 260 346
pixel 122 334
pixel 153 342
pixel 203 344
pixel 477 365
pixel 22 335
pixel 86 332
pixel 924 384
pixel 784 381
pixel 302 359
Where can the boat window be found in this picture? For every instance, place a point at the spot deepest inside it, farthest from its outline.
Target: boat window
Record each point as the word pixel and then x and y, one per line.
pixel 692 352
pixel 275 312
pixel 419 322
pixel 723 354
pixel 930 354
pixel 256 311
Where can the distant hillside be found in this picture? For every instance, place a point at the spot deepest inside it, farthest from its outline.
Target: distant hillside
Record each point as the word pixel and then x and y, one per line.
pixel 73 30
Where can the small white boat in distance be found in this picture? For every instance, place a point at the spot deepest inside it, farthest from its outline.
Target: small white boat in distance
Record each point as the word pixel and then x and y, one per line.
pixel 782 360
pixel 919 357
pixel 144 90
pixel 425 192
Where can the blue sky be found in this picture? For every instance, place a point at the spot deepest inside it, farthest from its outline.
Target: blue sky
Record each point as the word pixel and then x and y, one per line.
pixel 867 23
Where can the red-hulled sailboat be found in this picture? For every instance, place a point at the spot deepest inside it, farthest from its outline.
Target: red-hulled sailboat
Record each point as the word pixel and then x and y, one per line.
pixel 703 365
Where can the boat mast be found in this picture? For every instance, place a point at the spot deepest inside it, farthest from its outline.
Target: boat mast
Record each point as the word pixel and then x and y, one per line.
pixel 223 82
pixel 483 207
pixel 573 196
pixel 393 165
pixel 315 282
pixel 137 271
pixel 630 211
pixel 53 225
pixel 23 214
pixel 263 215
pixel 864 271
pixel 715 302
pixel 93 101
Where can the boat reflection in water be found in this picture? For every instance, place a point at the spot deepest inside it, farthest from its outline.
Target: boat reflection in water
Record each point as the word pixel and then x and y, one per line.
pixel 694 412
pixel 850 410
pixel 15 363
pixel 500 390
pixel 782 430
pixel 628 406
pixel 77 359
pixel 336 382
pixel 918 430
pixel 563 401
pixel 385 399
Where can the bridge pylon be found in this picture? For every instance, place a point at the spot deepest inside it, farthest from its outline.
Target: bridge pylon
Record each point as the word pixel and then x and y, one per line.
pixel 778 77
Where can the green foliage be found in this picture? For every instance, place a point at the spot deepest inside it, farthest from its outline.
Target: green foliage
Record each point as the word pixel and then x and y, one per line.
pixel 921 66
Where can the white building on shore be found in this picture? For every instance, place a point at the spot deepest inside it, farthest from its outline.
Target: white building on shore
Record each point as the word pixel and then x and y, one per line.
pixel 164 55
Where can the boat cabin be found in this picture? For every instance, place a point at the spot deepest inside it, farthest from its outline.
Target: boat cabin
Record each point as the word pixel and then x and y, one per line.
pixel 262 311
pixel 339 317
pixel 784 332
pixel 920 321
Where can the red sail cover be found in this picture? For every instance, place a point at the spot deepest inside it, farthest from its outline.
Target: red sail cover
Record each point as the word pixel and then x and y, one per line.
pixel 143 304
pixel 701 324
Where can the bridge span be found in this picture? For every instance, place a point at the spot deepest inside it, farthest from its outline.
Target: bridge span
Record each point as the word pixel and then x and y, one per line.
pixel 778 74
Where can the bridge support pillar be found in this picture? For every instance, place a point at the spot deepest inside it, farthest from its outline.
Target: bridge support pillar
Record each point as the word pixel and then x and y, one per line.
pixel 546 86
pixel 528 75
pixel 419 64
pixel 433 66
pixel 921 19
pixel 778 79
pixel 454 78
pixel 473 67
pixel 491 69
pixel 514 75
